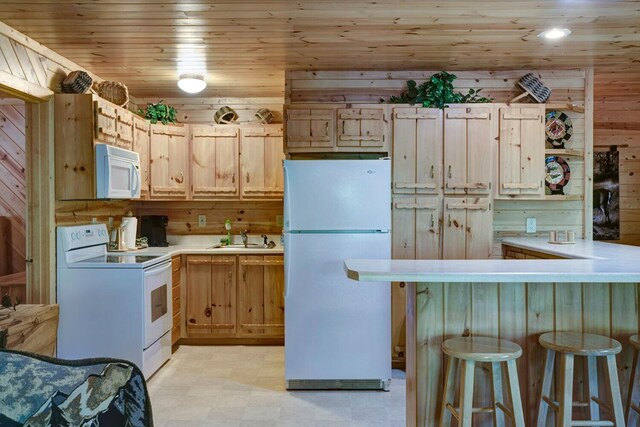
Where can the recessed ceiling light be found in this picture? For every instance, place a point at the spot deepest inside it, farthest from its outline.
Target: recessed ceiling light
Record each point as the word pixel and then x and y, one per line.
pixel 555 33
pixel 192 83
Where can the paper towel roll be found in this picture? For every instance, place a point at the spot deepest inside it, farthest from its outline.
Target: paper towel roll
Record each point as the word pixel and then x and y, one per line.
pixel 130 225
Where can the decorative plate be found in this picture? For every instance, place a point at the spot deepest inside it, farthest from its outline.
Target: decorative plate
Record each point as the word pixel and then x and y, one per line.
pixel 558 128
pixel 557 174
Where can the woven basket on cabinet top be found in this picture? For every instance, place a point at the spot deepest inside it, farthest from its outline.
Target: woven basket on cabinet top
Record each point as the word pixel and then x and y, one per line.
pixel 76 82
pixel 114 92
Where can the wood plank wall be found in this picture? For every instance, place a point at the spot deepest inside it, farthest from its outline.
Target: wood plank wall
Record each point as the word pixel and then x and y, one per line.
pixel 27 66
pixel 568 86
pixel 13 196
pixel 202 110
pixel 518 312
pixel 617 122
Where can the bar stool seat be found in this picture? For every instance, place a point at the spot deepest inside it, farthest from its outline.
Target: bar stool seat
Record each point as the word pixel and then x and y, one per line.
pixel 633 402
pixel 466 351
pixel 570 344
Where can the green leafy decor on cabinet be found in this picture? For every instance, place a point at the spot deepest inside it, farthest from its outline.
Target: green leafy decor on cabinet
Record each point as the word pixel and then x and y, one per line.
pixel 159 112
pixel 437 92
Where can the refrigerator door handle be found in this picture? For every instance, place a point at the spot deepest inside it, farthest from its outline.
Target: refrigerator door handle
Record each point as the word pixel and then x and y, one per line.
pixel 287 265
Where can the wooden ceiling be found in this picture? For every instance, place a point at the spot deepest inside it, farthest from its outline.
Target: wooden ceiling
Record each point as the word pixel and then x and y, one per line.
pixel 244 47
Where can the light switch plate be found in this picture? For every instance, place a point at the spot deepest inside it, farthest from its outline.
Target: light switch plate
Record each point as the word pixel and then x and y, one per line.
pixel 202 220
pixel 531 225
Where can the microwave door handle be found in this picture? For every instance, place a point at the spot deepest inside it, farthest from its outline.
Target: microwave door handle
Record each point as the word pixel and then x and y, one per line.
pixel 137 178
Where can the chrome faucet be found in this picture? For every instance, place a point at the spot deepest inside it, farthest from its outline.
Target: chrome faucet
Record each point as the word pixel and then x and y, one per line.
pixel 243 234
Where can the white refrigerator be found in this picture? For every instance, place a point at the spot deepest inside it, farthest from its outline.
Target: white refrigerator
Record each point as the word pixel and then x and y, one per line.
pixel 337 331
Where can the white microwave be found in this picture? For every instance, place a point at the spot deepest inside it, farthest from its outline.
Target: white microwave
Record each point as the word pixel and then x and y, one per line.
pixel 117 173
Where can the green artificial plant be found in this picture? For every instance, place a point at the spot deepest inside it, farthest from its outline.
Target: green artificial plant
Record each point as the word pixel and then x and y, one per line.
pixel 437 92
pixel 159 112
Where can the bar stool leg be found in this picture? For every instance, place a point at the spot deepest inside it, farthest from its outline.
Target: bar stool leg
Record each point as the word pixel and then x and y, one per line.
pixel 496 380
pixel 616 400
pixel 449 391
pixel 466 392
pixel 516 401
pixel 545 390
pixel 629 413
pixel 592 387
pixel 565 401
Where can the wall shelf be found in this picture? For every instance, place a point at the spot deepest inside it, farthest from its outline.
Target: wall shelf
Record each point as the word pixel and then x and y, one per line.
pixel 563 152
pixel 564 106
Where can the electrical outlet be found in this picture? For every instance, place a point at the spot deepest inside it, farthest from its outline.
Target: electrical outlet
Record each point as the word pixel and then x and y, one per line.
pixel 279 220
pixel 94 220
pixel 202 220
pixel 531 225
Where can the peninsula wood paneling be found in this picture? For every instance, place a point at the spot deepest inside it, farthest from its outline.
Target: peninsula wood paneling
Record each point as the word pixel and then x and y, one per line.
pixel 617 122
pixel 244 46
pixel 519 312
pixel 13 196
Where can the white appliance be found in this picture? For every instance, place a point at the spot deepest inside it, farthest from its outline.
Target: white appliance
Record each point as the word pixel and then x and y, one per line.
pixel 112 305
pixel 337 331
pixel 117 173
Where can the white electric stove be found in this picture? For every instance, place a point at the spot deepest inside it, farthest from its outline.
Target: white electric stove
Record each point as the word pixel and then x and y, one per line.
pixel 112 304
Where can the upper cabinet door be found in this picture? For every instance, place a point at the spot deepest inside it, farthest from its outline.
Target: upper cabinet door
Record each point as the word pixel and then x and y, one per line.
pixel 169 156
pixel 417 150
pixel 361 127
pixel 124 128
pixel 261 162
pixel 214 164
pixel 521 165
pixel 468 150
pixel 105 122
pixel 310 128
pixel 141 146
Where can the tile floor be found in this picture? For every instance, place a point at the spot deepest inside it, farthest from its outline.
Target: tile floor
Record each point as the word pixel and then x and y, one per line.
pixel 238 386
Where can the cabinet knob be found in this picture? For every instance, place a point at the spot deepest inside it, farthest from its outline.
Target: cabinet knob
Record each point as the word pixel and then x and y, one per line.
pixel 401 284
pixel 449 171
pixel 432 172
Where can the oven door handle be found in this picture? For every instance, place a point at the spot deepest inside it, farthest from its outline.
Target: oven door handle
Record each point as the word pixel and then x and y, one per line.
pixel 158 267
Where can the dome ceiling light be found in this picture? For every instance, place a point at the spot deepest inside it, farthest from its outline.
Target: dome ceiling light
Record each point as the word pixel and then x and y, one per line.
pixel 192 83
pixel 555 33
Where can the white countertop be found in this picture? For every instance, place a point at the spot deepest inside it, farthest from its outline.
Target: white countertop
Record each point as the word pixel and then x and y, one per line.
pixel 589 262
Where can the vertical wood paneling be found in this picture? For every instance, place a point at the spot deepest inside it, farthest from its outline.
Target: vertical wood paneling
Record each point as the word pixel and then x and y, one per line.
pixel 520 312
pixel 13 198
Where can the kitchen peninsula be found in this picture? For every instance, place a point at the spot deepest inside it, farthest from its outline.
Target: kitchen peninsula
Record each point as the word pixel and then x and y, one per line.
pixel 593 289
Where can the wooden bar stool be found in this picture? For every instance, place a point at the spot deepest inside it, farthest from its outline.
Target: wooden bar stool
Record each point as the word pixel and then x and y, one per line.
pixel 633 402
pixel 466 351
pixel 570 344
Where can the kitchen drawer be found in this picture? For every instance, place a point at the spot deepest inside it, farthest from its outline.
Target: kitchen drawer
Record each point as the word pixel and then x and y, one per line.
pixel 175 330
pixel 175 296
pixel 175 270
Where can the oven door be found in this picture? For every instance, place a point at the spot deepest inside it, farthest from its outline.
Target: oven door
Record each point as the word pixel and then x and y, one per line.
pixel 157 302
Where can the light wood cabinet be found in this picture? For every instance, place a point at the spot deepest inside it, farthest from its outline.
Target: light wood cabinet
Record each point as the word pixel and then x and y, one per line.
pixel 521 151
pixel 169 162
pixel 261 157
pixel 176 271
pixel 80 122
pixel 261 295
pixel 141 140
pixel 211 295
pixel 416 225
pixel 417 150
pixel 362 127
pixel 235 296
pixel 214 162
pixel 468 150
pixel 310 128
pixel 467 228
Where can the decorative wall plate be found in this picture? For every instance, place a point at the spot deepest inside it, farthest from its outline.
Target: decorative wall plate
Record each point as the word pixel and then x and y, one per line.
pixel 557 174
pixel 558 128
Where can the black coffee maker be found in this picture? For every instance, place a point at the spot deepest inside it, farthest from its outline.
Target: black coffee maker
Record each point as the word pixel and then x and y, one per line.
pixel 154 228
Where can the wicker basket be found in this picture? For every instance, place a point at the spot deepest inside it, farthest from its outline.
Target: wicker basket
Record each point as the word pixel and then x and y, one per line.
pixel 225 115
pixel 264 115
pixel 114 92
pixel 76 82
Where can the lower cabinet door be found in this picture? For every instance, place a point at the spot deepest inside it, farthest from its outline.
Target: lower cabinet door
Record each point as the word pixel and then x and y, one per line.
pixel 261 296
